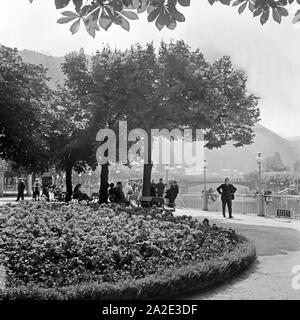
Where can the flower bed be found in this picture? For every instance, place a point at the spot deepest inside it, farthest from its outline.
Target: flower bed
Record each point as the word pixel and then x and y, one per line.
pixel 63 251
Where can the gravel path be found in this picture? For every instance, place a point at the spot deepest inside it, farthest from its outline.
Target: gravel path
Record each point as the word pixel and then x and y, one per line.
pixel 278 248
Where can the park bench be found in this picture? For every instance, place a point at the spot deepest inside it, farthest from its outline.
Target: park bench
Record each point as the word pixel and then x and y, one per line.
pixel 148 202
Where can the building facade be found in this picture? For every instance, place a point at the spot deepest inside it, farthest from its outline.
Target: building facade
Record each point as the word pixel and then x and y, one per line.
pixel 9 179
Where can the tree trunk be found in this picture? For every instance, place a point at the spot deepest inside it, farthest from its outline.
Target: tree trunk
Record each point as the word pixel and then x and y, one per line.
pixel 147 170
pixel 29 184
pixel 69 188
pixel 147 179
pixel 103 192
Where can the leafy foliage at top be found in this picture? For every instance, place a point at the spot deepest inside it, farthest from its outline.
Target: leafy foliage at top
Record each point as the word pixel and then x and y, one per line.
pixel 96 14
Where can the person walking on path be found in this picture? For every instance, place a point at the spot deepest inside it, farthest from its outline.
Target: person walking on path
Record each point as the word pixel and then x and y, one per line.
pixel 21 188
pixel 227 191
pixel 160 187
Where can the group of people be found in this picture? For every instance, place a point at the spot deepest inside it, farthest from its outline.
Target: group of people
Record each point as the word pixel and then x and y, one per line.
pixel 168 192
pixel 38 190
pixel 116 194
pixel 49 193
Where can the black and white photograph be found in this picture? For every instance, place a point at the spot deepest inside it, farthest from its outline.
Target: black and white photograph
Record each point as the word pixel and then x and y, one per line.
pixel 149 155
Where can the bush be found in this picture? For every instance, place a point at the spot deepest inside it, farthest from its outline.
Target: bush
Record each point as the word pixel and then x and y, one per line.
pixel 55 251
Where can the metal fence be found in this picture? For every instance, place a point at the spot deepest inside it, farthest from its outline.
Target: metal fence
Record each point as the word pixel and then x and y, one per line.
pixel 282 206
pixel 274 205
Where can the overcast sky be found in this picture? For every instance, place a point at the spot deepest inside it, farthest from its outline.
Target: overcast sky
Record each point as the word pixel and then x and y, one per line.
pixel 270 55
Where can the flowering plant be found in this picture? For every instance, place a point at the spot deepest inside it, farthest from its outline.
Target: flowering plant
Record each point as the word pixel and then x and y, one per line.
pixel 55 244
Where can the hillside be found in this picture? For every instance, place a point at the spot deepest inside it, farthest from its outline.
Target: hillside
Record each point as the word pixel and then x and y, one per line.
pixel 244 159
pixel 295 143
pixel 50 62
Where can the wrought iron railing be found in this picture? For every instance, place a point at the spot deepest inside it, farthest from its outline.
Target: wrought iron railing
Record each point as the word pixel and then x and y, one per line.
pixel 274 205
pixel 282 206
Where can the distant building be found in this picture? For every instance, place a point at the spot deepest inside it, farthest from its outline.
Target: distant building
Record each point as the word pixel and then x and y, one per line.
pixel 9 178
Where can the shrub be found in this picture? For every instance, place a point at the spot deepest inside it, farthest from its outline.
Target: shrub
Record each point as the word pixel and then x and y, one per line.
pixel 56 251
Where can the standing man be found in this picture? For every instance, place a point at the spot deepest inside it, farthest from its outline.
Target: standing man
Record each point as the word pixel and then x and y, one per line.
pixel 152 189
pixel 174 190
pixel 21 188
pixel 128 192
pixel 227 191
pixel 160 187
pixel 36 188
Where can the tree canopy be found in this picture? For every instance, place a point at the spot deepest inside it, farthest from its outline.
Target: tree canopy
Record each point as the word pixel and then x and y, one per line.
pixel 274 163
pixel 71 145
pixel 101 14
pixel 173 87
pixel 24 116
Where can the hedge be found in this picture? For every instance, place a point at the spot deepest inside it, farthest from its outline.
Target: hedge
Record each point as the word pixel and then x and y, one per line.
pixel 168 284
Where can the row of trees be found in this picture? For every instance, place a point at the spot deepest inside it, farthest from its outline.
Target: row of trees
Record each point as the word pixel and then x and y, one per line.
pixel 171 87
pixel 275 164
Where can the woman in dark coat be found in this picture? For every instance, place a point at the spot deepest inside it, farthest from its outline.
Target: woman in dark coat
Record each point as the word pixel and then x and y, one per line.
pixel 172 193
pixel 174 190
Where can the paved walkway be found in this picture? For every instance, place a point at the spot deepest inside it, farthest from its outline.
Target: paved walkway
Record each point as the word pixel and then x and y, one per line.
pixel 5 200
pixel 278 248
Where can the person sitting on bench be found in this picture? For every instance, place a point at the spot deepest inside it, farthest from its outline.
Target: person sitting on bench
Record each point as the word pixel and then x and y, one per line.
pixel 79 195
pixel 119 195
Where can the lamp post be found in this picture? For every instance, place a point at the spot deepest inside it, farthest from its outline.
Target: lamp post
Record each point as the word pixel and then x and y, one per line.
pixel 260 199
pixel 205 195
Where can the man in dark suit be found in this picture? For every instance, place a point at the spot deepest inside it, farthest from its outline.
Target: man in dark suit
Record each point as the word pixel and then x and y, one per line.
pixel 21 188
pixel 160 187
pixel 153 189
pixel 227 191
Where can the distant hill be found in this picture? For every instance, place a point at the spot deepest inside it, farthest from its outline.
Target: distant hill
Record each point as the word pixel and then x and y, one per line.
pixel 53 64
pixel 295 144
pixel 228 157
pixel 294 139
pixel 244 159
